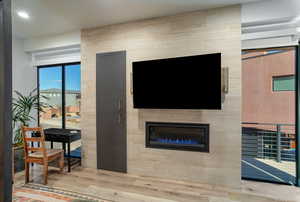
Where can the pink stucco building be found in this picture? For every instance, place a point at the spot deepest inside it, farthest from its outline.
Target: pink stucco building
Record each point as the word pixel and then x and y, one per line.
pixel 263 102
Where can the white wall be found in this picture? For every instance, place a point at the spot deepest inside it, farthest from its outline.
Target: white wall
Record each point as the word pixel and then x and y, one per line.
pixel 270 23
pixel 264 24
pixel 256 12
pixel 24 76
pixel 52 42
pixel 54 49
pixel 48 49
pixel 30 53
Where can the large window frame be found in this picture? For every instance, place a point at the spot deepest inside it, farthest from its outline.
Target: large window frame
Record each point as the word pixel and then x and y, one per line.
pixel 63 87
pixel 297 111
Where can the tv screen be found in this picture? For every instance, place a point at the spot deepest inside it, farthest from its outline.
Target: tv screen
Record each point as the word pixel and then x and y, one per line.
pixel 192 82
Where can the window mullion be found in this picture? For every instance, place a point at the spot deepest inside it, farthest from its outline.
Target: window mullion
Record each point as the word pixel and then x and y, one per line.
pixel 63 97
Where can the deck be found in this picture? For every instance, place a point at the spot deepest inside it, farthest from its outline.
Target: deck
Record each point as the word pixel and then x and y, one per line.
pixel 269 170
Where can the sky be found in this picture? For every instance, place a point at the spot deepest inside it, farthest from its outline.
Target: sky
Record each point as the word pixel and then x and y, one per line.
pixel 51 77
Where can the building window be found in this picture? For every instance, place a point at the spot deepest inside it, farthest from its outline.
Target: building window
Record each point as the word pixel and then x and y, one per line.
pixel 59 86
pixel 284 83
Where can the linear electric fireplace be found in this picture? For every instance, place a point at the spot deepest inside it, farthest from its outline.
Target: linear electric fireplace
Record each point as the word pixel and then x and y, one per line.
pixel 179 136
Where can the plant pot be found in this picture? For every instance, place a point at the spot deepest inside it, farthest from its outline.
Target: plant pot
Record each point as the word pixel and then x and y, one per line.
pixel 19 164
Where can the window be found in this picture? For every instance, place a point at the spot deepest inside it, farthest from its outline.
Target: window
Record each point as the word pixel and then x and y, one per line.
pixel 59 86
pixel 269 131
pixel 284 83
pixel 72 96
pixel 50 82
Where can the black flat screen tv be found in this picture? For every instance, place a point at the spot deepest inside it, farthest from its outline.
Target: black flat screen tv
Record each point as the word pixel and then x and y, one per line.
pixel 192 82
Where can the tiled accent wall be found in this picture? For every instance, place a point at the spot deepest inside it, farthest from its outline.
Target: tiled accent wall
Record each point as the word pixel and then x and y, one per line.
pixel 201 32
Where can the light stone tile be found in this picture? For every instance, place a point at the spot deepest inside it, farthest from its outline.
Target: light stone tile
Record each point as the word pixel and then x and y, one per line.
pixel 201 32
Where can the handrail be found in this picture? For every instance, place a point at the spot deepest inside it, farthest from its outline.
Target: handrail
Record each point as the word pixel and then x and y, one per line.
pixel 272 144
pixel 273 124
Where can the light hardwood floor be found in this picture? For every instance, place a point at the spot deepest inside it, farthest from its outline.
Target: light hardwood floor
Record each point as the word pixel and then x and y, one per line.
pixel 113 186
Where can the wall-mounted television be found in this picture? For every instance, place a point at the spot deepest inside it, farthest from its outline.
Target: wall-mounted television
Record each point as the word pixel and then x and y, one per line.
pixel 192 82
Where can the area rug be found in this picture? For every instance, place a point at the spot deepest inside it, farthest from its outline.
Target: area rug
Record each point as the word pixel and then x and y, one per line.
pixel 40 193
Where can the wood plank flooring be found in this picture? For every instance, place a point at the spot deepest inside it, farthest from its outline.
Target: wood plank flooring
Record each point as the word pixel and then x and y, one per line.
pixel 120 187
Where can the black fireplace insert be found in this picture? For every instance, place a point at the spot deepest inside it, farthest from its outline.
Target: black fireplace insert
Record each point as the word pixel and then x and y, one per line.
pixel 178 136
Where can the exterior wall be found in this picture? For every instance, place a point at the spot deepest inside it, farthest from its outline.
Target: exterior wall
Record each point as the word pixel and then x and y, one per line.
pixel 72 99
pixel 217 30
pixel 260 104
pixel 73 109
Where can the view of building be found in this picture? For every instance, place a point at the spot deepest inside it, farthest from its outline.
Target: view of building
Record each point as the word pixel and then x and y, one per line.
pixel 268 112
pixel 268 86
pixel 52 116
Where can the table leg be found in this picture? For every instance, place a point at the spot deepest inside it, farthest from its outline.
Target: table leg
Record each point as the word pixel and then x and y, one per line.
pixel 64 147
pixel 32 145
pixel 69 160
pixel 51 144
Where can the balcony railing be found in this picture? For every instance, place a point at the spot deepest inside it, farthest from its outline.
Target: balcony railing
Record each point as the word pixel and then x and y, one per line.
pixel 269 141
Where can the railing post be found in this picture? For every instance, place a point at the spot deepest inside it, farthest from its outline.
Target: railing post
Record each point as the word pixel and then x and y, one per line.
pixel 262 147
pixel 278 138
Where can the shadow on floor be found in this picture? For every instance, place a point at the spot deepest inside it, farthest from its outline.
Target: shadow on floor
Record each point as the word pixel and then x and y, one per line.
pixel 257 170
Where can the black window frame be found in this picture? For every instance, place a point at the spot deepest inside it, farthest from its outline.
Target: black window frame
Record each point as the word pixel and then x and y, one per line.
pixel 297 112
pixel 63 87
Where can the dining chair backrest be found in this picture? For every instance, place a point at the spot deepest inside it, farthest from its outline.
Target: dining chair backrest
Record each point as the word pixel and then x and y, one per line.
pixel 28 140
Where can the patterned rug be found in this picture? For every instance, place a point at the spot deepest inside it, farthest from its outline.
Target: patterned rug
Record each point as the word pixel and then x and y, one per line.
pixel 40 193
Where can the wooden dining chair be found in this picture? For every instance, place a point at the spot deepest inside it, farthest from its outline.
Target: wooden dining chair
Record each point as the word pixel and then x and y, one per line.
pixel 38 153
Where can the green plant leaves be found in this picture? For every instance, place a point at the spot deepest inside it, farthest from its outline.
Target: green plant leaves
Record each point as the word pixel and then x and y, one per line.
pixel 22 107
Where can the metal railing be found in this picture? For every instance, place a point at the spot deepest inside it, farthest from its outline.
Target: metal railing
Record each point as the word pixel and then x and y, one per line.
pixel 269 141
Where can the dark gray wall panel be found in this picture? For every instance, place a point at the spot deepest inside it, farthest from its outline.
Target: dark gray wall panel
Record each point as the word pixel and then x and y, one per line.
pixel 111 111
pixel 5 101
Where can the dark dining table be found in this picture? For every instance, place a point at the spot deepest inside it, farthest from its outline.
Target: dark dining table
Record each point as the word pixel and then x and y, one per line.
pixel 66 137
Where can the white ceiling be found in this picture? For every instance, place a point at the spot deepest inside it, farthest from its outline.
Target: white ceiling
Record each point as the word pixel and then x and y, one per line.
pixel 49 17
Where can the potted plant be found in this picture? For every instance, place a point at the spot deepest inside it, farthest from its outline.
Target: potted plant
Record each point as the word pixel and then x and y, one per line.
pixel 22 108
